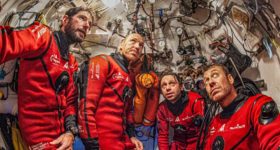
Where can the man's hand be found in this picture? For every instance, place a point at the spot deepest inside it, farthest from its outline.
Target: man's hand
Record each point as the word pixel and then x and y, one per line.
pixel 139 145
pixel 65 141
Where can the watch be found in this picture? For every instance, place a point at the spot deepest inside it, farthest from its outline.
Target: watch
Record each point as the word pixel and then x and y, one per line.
pixel 73 130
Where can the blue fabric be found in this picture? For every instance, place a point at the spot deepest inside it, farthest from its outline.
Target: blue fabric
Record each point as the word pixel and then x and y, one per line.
pixel 78 144
pixel 148 136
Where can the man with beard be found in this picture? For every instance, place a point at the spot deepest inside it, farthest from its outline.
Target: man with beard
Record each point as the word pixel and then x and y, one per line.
pixel 245 122
pixel 47 95
pixel 104 115
pixel 181 112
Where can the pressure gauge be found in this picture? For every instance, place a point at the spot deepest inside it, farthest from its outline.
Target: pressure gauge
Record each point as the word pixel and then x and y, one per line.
pixel 179 31
pixel 152 1
pixel 161 43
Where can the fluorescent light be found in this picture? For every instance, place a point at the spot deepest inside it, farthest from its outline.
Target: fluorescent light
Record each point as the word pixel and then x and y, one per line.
pixel 110 3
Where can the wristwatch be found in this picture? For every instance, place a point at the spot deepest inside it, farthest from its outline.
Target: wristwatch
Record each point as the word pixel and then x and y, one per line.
pixel 74 130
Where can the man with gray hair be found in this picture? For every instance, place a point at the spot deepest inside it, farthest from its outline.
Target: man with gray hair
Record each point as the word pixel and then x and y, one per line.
pixel 105 121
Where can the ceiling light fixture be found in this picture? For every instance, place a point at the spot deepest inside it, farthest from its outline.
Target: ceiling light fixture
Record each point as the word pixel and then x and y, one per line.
pixel 110 3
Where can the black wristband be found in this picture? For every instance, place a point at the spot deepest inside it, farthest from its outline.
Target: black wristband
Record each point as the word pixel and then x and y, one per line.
pixel 70 125
pixel 130 130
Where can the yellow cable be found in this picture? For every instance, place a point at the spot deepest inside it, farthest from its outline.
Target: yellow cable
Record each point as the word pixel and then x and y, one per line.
pixel 17 140
pixel 275 43
pixel 42 19
pixel 1 94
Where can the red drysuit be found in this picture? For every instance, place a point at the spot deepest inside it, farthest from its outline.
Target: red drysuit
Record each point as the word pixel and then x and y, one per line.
pixel 247 123
pixel 185 130
pixel 42 109
pixel 107 101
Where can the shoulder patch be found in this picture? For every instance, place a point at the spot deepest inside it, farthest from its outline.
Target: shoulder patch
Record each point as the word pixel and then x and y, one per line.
pixel 269 112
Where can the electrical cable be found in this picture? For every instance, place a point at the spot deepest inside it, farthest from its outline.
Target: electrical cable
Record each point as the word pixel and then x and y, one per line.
pixel 201 23
pixel 237 72
pixel 144 10
pixel 255 11
pixel 210 113
pixel 233 35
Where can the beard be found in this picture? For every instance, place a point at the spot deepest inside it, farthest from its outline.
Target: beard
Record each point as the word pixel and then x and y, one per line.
pixel 71 34
pixel 222 95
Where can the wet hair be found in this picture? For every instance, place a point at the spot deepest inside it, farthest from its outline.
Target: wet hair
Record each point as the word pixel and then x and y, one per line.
pixel 73 11
pixel 175 75
pixel 224 68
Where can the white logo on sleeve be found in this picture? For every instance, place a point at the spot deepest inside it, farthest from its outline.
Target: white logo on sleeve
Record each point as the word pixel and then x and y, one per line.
pixel 222 129
pixel 41 32
pixel 54 59
pixel 237 127
pixel 97 71
pixel 66 66
pixel 177 119
pixel 118 76
pixel 212 130
pixel 92 71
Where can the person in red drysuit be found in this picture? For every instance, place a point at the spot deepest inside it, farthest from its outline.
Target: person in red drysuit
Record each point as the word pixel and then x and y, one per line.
pixel 181 111
pixel 245 122
pixel 103 110
pixel 47 95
